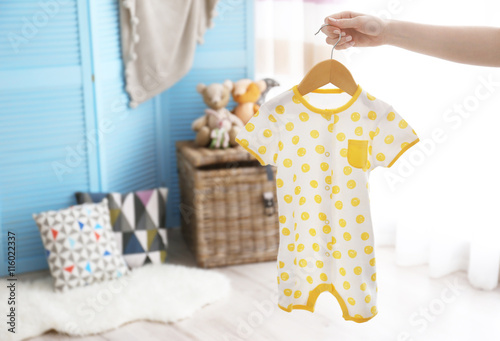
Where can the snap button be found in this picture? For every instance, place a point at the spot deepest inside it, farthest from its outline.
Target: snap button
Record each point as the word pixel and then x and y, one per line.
pixel 327 187
pixel 327 154
pixel 327 222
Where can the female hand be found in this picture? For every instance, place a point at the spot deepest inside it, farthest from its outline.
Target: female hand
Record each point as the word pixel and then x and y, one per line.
pixel 482 45
pixel 357 29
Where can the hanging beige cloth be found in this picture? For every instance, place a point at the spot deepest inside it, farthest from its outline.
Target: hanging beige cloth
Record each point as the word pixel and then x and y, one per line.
pixel 159 39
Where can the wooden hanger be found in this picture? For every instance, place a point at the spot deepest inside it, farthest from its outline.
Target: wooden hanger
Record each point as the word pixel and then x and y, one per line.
pixel 328 71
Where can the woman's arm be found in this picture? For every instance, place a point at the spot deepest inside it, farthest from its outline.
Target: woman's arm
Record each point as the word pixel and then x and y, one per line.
pixel 469 45
pixel 462 44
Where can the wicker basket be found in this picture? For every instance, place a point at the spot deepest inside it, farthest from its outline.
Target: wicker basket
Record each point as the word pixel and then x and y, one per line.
pixel 223 216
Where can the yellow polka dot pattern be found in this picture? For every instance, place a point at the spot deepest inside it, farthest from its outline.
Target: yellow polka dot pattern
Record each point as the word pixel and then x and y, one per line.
pixel 392 137
pixel 326 240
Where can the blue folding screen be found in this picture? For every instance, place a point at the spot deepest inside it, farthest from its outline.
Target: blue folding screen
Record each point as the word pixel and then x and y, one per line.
pixel 45 111
pixel 64 121
pixel 228 53
pixel 129 154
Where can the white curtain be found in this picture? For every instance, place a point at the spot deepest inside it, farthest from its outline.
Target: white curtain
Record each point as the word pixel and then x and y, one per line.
pixel 438 205
pixel 286 47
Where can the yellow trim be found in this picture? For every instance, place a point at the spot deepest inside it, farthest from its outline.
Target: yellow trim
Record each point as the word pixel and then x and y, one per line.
pixel 251 152
pixel 313 296
pixel 327 111
pixel 328 91
pixel 402 151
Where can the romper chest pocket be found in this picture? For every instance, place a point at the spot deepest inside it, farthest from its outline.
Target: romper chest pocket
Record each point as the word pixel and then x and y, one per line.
pixel 357 153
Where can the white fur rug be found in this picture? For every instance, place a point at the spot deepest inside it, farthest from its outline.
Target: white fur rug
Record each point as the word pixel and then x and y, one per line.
pixel 163 293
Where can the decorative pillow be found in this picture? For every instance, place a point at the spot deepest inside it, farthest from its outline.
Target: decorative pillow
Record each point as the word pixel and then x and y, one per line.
pixel 138 220
pixel 80 246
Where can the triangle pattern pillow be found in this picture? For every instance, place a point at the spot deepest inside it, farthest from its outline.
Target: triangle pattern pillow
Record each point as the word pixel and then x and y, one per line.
pixel 138 220
pixel 80 245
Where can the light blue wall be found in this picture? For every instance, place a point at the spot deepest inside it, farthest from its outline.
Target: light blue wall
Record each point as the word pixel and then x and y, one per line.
pixel 61 83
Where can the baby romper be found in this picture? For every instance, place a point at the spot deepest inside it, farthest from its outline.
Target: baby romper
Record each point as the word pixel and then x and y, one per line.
pixel 323 159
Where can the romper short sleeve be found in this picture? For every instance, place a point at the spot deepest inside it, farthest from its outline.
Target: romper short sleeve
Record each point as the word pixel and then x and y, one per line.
pixel 260 136
pixel 392 137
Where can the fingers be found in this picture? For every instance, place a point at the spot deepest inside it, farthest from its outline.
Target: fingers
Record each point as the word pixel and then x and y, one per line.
pixel 344 42
pixel 345 46
pixel 332 31
pixel 346 23
pixel 339 22
pixel 342 15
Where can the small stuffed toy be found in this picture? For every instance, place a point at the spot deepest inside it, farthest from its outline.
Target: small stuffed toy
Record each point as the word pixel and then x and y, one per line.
pixel 220 134
pixel 246 93
pixel 216 96
pixel 220 138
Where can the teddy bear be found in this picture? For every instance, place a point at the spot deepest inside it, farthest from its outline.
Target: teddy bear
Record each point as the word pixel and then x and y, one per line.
pixel 226 125
pixel 246 93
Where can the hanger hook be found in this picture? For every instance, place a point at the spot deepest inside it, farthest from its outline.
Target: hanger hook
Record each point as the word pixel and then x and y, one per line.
pixel 333 48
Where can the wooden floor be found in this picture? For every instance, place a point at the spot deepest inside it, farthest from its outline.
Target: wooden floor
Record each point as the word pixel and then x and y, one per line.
pixel 411 307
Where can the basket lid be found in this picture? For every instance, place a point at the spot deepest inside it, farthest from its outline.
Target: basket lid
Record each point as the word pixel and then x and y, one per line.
pixel 199 156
